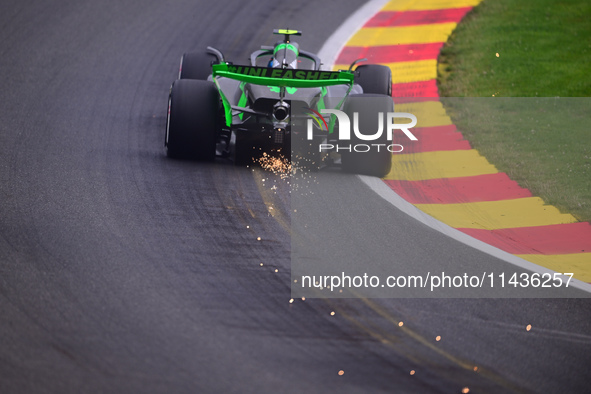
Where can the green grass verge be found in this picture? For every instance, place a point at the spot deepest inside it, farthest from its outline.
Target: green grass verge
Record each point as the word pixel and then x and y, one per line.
pixel 544 50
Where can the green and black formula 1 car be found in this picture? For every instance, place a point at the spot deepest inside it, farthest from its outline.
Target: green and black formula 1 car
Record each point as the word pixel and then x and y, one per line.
pixel 282 102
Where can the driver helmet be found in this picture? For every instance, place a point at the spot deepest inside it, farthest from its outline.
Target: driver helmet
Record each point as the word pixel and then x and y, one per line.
pixel 285 55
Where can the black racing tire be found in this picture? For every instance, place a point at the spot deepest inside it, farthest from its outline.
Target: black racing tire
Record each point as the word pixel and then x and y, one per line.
pixel 193 120
pixel 196 65
pixel 374 79
pixel 378 160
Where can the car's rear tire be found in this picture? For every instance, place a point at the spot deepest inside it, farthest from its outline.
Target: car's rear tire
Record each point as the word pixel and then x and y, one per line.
pixel 374 79
pixel 192 122
pixel 378 160
pixel 196 65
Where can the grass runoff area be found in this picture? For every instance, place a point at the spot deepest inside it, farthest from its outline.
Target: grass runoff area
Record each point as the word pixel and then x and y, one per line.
pixel 508 52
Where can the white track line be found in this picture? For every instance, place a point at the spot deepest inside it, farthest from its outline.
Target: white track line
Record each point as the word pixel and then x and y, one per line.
pixel 331 48
pixel 328 53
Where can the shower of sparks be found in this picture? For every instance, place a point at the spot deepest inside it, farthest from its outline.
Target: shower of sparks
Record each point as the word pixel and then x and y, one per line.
pixel 295 171
pixel 278 165
pixel 302 174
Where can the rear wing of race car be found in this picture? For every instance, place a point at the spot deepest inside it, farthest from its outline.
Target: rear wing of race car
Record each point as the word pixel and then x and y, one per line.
pixel 278 77
pixel 283 77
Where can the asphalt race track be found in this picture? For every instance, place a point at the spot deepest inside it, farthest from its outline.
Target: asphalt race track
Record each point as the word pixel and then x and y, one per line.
pixel 124 271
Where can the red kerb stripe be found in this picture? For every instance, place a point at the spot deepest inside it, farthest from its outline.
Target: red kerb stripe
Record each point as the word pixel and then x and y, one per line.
pixel 390 53
pixel 489 187
pixel 430 139
pixel 553 239
pixel 408 18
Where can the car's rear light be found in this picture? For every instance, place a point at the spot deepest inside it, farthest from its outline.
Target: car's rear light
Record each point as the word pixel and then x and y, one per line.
pixel 279 135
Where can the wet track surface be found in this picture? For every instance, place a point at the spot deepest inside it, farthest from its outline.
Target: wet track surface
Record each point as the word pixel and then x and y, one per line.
pixel 124 271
